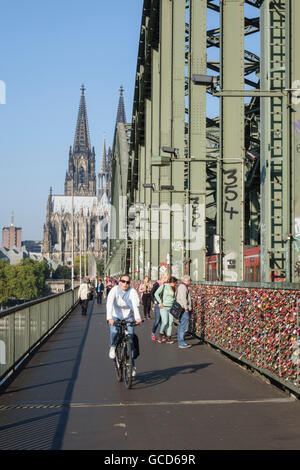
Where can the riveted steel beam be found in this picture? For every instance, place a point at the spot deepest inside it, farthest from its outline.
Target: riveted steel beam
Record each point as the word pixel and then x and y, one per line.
pixel 275 155
pixel 293 67
pixel 196 198
pixel 231 172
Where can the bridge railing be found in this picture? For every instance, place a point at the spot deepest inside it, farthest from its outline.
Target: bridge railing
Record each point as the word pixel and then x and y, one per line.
pixel 22 328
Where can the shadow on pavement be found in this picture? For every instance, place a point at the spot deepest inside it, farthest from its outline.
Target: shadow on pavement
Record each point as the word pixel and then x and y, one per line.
pixel 156 377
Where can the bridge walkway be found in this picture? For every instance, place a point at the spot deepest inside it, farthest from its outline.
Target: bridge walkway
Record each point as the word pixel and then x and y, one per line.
pixel 66 397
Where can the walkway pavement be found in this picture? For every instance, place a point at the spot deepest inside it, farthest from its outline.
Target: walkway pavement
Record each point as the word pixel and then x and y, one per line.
pixel 67 397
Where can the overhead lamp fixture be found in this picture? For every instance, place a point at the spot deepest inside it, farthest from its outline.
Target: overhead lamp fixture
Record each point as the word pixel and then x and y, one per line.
pixel 171 150
pixel 205 80
pixel 148 186
pixel 167 188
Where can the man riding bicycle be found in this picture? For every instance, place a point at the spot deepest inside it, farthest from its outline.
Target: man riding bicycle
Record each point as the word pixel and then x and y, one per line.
pixel 122 304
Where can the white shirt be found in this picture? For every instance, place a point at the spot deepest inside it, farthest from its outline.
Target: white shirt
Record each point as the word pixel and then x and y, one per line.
pixel 121 304
pixel 83 291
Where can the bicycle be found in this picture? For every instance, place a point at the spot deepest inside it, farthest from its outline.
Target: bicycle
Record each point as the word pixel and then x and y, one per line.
pixel 123 360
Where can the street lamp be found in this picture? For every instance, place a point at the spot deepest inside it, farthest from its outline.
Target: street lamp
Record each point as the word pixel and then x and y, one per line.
pixel 171 150
pixel 206 80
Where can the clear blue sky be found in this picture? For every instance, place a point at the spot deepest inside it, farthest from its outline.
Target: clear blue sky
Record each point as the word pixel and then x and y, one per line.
pixel 47 50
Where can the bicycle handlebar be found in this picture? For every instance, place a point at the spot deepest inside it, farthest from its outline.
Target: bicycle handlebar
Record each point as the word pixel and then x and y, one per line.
pixel 126 322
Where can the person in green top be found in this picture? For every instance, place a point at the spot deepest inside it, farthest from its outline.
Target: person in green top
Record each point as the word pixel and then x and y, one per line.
pixel 165 295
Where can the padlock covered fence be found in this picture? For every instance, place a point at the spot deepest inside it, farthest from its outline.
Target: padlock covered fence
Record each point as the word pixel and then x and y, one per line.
pixel 257 326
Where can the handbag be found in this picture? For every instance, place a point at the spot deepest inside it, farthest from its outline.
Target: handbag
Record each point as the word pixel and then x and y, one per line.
pixel 136 347
pixel 176 310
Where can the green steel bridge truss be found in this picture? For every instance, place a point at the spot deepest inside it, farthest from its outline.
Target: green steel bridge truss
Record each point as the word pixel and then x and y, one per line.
pixel 198 184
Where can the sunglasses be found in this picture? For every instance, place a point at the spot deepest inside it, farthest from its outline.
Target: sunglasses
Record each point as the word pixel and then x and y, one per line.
pixel 124 282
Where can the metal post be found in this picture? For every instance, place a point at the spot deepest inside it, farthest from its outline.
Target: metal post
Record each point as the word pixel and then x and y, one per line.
pixel 155 170
pixel 294 111
pixel 275 153
pixel 177 137
pixel 165 134
pixel 197 141
pixel 232 149
pixel 80 261
pixel 72 235
pixel 298 344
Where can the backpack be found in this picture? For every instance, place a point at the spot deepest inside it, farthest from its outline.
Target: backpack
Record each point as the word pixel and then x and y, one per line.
pixel 153 290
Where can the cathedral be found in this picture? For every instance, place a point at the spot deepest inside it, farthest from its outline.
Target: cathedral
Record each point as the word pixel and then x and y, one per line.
pixel 87 201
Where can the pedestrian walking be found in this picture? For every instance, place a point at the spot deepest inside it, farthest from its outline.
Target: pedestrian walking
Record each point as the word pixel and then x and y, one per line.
pixel 184 298
pixel 157 318
pixel 108 285
pixel 100 290
pixel 145 292
pixel 166 300
pixel 84 294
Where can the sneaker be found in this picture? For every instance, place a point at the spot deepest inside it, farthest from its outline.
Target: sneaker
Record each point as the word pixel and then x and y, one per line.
pixel 112 352
pixel 153 337
pixel 169 341
pixel 161 339
pixel 133 373
pixel 184 346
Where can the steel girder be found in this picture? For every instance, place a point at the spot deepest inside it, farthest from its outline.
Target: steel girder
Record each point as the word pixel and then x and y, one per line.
pixel 244 170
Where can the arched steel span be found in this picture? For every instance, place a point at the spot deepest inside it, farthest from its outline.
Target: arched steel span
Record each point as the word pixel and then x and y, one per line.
pixel 235 172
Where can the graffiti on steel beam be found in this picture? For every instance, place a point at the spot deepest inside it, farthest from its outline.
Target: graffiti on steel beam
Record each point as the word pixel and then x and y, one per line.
pixel 230 195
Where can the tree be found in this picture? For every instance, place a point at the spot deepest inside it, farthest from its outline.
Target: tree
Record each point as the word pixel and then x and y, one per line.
pixel 25 280
pixel 3 282
pixel 77 266
pixel 62 272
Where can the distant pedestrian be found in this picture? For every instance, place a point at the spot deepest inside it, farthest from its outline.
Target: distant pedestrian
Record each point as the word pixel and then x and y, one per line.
pixel 108 285
pixel 83 295
pixel 166 300
pixel 157 318
pixel 184 298
pixel 100 290
pixel 145 292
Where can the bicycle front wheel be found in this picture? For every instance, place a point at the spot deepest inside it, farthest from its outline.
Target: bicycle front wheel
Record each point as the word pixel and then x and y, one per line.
pixel 127 369
pixel 118 363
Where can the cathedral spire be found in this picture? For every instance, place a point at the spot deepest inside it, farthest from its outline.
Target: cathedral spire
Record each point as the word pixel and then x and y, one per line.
pixel 103 167
pixel 121 116
pixel 81 176
pixel 82 136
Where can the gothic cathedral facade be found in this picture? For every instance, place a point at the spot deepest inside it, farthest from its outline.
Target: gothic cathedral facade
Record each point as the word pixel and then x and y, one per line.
pixel 76 222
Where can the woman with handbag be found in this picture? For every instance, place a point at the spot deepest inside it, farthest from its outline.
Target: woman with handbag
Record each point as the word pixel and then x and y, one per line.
pixel 165 295
pixel 183 297
pixel 164 277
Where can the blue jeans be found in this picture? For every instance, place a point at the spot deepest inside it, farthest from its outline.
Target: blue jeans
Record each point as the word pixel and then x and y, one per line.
pixel 182 328
pixel 114 330
pixel 157 318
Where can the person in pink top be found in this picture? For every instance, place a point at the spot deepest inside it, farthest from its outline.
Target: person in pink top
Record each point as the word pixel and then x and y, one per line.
pixel 145 292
